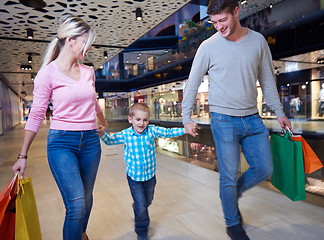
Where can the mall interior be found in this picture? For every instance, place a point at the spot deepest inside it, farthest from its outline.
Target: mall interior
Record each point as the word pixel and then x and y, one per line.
pixel 143 53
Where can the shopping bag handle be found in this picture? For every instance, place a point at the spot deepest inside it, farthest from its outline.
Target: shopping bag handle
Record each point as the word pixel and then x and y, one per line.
pixel 13 180
pixel 290 131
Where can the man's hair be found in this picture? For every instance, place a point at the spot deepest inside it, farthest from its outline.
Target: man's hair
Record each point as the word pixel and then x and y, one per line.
pixel 218 6
pixel 138 107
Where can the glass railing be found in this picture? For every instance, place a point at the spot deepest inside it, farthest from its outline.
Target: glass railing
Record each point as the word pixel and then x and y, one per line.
pixel 200 151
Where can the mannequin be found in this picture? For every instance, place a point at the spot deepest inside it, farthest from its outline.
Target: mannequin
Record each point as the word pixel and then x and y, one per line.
pixel 321 102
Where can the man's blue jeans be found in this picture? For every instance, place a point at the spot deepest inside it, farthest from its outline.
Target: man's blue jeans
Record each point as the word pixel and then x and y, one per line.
pixel 231 134
pixel 142 193
pixel 73 158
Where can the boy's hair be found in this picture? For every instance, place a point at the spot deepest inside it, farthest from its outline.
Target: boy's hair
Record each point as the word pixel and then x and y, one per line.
pixel 138 107
pixel 218 6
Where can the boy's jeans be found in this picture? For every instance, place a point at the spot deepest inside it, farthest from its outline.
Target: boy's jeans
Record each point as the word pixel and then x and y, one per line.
pixel 142 193
pixel 74 157
pixel 229 134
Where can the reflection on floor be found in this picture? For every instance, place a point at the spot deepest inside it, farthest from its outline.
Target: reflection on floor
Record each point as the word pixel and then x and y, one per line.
pixel 186 204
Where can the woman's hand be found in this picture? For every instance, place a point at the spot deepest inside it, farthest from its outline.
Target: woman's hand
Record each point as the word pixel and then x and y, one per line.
pixel 101 130
pixel 20 166
pixel 103 124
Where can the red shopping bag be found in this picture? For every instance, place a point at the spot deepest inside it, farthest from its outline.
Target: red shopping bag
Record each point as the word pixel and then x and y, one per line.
pixel 311 161
pixel 7 210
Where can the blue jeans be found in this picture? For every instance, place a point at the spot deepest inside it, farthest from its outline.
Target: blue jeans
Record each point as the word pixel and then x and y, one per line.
pixel 73 158
pixel 231 134
pixel 142 193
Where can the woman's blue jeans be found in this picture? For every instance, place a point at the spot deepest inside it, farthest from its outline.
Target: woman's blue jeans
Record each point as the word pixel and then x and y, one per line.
pixel 73 158
pixel 142 193
pixel 231 134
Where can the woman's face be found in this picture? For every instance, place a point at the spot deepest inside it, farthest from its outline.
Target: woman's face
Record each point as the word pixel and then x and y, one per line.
pixel 77 46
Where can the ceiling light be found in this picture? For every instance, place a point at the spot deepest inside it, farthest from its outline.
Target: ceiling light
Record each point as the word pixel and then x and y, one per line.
pixel 30 59
pixel 105 54
pixel 139 14
pixel 320 60
pixel 30 33
pixel 244 2
pixel 271 5
pixel 26 67
pixel 33 3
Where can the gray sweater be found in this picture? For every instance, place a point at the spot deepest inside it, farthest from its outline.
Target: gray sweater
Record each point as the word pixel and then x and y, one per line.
pixel 233 68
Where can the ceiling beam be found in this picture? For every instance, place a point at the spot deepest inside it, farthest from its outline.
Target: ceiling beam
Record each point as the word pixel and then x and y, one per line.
pixel 46 41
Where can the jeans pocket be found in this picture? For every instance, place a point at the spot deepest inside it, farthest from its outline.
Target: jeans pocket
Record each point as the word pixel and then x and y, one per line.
pixel 55 132
pixel 256 116
pixel 222 127
pixel 217 117
pixel 95 132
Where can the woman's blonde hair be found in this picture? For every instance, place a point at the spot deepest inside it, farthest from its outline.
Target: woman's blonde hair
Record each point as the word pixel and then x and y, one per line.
pixel 70 26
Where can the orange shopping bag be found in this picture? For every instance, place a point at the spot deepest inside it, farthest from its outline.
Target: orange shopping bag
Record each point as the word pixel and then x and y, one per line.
pixel 311 161
pixel 7 210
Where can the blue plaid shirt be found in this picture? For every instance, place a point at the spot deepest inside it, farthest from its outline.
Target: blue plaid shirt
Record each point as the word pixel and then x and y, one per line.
pixel 139 149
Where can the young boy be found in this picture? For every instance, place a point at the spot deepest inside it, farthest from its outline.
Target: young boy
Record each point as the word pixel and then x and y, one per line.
pixel 140 157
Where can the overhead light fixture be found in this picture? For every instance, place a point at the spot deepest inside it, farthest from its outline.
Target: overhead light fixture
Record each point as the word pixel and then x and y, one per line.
pixel 30 59
pixel 244 2
pixel 139 14
pixel 105 54
pixel 26 67
pixel 320 60
pixel 33 3
pixel 30 33
pixel 271 5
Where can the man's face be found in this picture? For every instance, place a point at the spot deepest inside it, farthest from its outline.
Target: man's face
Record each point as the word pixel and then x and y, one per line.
pixel 225 22
pixel 139 120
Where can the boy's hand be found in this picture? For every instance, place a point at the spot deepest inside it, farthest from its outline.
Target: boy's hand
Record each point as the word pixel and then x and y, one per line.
pixel 191 128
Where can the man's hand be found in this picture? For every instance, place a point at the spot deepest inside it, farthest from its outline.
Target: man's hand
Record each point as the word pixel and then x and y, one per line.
pixel 284 122
pixel 191 128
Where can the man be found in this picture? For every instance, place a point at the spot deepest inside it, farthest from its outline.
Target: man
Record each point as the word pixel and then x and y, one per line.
pixel 235 59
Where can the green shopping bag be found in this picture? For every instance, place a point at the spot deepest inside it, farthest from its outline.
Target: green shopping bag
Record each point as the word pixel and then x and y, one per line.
pixel 288 166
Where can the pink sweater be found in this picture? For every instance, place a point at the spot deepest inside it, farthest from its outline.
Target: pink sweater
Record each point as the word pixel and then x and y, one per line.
pixel 74 102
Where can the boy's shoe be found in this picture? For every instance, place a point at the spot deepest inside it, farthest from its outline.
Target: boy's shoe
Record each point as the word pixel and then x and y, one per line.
pixel 142 238
pixel 237 232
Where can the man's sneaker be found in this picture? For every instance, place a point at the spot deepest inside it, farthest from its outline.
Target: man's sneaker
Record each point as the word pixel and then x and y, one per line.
pixel 142 238
pixel 237 232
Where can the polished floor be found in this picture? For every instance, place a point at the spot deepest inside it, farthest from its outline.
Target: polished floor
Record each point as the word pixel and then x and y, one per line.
pixel 186 204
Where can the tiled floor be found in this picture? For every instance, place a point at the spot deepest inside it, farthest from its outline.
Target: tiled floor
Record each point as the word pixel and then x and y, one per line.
pixel 186 204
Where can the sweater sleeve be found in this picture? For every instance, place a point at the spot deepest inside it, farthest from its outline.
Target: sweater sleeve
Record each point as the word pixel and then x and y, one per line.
pixel 267 81
pixel 198 70
pixel 42 92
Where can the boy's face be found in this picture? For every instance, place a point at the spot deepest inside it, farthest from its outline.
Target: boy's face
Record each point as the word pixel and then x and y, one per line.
pixel 139 120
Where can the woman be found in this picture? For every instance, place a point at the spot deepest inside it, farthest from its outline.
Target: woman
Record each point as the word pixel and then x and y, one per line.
pixel 73 147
